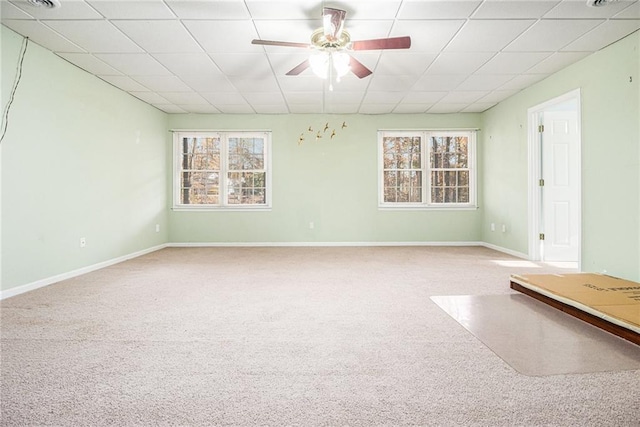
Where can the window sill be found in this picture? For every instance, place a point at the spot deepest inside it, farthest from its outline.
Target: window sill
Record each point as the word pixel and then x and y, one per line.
pixel 387 207
pixel 204 208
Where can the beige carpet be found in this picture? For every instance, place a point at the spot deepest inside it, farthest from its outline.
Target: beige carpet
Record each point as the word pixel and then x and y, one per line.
pixel 282 336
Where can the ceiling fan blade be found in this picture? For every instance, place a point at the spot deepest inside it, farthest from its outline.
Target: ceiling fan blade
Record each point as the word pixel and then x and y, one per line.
pixel 333 22
pixel 277 43
pixel 390 43
pixel 358 68
pixel 299 68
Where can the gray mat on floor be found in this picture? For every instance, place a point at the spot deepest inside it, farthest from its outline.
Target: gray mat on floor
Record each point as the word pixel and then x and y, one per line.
pixel 538 340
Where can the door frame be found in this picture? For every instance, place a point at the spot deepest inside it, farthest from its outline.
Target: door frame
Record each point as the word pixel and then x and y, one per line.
pixel 534 115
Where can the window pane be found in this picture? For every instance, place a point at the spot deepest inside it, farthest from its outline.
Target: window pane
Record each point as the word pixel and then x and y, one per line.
pixel 463 178
pixel 449 195
pixel 199 187
pixel 246 153
pixel 450 179
pixel 437 195
pixel 463 195
pixel 246 188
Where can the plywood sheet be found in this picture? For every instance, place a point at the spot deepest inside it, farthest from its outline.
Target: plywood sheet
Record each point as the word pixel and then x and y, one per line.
pixel 605 296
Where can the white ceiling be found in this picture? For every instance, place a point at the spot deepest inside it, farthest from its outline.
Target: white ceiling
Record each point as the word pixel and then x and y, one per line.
pixel 197 57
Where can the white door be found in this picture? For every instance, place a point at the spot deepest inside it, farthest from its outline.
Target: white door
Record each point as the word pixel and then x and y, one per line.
pixel 560 189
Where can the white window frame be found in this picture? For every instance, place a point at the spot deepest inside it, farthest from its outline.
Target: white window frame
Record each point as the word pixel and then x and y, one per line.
pixel 425 168
pixel 223 205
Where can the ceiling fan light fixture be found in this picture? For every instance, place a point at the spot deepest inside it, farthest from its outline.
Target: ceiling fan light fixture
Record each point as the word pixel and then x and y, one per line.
pixel 341 62
pixel 319 62
pixel 48 4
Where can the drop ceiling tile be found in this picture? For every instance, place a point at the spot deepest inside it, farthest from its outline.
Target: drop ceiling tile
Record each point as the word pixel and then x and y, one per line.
pixel 344 97
pixel 125 83
pixel 163 83
pixel 235 109
pixel 69 10
pixel 132 9
pixel 243 64
pixel 292 9
pixel 574 9
pixel 459 97
pixel 439 82
pixel 512 62
pixel 94 36
pixel 169 108
pixel 522 81
pixel 437 9
pixel 369 29
pixel 187 63
pixel 376 108
pixel 556 62
pixel 42 35
pixel 208 82
pixel 603 35
pixel 224 36
pixel 372 97
pixel 487 36
pixel 341 108
pixel 90 64
pixel 301 83
pixel 183 98
pixel 271 109
pixel 369 59
pixel 497 96
pixel 263 98
pixel 248 84
pixel 411 108
pixel 369 9
pixel 514 9
pixel 427 36
pixel 304 97
pixel 10 11
pixel 459 63
pixel 484 82
pixel 134 64
pixel 159 36
pixel 200 109
pixel 631 12
pixel 149 97
pixel 306 109
pixel 224 9
pixel 415 97
pixel 222 98
pixel 401 62
pixel 552 35
pixel 392 83
pixel 478 107
pixel 442 108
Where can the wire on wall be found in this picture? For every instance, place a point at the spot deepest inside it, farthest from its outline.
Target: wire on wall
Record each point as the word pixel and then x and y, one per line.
pixel 5 115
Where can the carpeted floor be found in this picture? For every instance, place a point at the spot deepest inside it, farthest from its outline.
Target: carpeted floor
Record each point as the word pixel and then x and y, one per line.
pixel 283 336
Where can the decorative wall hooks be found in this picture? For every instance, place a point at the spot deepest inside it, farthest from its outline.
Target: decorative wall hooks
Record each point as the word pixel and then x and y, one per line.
pixel 320 133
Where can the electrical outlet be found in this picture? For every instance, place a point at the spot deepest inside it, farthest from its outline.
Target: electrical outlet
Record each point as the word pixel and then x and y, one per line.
pixel 157 228
pixel 83 242
pixel 504 228
pixel 311 225
pixel 493 226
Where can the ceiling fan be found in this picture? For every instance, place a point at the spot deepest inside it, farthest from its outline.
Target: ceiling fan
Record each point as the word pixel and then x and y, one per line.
pixel 330 45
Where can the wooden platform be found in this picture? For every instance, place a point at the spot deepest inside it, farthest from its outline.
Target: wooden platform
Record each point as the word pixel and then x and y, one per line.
pixel 607 302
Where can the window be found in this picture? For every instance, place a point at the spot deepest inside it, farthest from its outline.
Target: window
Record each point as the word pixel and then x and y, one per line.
pixel 222 170
pixel 427 169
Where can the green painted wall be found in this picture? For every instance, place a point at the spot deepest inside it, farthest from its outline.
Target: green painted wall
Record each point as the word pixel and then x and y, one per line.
pixel 80 159
pixel 332 183
pixel 608 81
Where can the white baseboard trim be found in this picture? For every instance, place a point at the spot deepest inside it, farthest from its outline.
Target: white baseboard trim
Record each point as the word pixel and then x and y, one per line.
pixel 505 250
pixel 74 273
pixel 84 270
pixel 311 244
